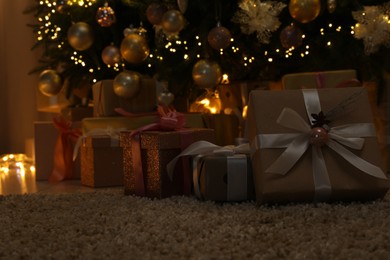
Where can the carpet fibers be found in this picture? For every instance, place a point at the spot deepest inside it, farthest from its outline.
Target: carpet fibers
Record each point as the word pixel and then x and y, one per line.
pixel 108 225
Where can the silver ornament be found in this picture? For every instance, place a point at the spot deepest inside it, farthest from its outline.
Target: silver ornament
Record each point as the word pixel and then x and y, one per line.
pixel 206 74
pixel 80 36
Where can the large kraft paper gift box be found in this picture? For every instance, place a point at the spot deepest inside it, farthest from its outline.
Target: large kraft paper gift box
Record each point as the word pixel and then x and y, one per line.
pixel 46 137
pixel 321 79
pixel 146 155
pixel 101 161
pixel 105 101
pixel 294 163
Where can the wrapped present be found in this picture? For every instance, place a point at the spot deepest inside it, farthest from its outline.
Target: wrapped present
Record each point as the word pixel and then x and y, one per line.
pixel 314 144
pixel 227 127
pixel 323 79
pixel 101 160
pixel 106 101
pixel 219 173
pixel 146 155
pixel 194 120
pixel 77 113
pixel 147 150
pixel 54 144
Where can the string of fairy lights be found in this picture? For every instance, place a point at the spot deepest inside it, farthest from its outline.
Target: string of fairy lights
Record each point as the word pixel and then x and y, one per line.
pixel 50 30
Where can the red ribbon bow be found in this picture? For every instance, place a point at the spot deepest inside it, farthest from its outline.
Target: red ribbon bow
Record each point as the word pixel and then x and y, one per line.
pixel 63 149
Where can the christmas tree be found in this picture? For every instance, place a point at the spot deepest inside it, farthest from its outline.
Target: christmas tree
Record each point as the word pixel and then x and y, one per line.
pixel 190 44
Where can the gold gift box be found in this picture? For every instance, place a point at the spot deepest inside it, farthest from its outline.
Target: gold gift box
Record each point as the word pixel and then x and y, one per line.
pixel 347 181
pixel 101 161
pixel 157 150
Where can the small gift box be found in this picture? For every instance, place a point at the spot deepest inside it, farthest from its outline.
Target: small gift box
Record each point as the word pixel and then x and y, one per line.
pixel 323 79
pixel 106 102
pixel 314 144
pixel 53 148
pixel 219 173
pixel 101 161
pixel 226 127
pixel 146 155
pixel 223 178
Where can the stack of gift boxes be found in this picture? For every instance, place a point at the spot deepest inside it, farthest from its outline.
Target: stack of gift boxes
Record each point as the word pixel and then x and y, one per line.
pixel 314 140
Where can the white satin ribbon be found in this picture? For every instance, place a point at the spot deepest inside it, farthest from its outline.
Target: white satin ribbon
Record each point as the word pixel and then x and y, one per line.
pixel 296 144
pixel 112 132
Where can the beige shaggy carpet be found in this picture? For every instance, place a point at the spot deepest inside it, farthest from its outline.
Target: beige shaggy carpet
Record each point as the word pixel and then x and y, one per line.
pixel 108 225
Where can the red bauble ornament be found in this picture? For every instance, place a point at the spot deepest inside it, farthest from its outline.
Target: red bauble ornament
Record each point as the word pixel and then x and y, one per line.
pixel 105 16
pixel 291 36
pixel 219 37
pixel 319 136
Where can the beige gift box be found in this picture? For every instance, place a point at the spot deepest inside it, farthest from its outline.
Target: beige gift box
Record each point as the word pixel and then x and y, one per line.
pixel 347 182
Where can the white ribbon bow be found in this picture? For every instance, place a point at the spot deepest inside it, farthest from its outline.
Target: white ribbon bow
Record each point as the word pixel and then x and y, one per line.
pixel 112 132
pixel 350 135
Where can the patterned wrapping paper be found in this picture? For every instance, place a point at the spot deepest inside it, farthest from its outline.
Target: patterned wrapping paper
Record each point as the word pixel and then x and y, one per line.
pixel 347 182
pixel 157 150
pixel 106 101
pixel 101 161
pixel 224 178
pixel 322 79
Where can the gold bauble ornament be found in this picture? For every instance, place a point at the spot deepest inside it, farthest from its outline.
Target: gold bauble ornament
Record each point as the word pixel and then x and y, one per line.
pixel 127 84
pixel 206 73
pixel 134 48
pixel 50 83
pixel 219 37
pixel 111 55
pixel 80 36
pixel 173 21
pixel 304 11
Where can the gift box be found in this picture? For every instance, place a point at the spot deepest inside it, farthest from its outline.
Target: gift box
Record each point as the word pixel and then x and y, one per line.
pixel 146 155
pixel 193 120
pixel 301 154
pixel 101 161
pixel 227 127
pixel 223 178
pixel 106 101
pixel 77 113
pixel 46 137
pixel 324 79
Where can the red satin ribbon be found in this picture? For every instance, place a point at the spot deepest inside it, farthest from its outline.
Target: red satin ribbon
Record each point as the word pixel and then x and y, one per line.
pixel 63 150
pixel 170 120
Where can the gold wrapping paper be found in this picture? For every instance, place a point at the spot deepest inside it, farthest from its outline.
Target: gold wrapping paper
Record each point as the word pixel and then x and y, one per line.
pixel 157 150
pixel 213 180
pixel 227 127
pixel 347 181
pixel 101 162
pixel 328 79
pixel 45 138
pixel 106 101
pixel 193 120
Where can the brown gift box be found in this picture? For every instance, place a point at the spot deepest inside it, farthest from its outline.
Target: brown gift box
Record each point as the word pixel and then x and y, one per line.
pixel 227 127
pixel 217 182
pixel 347 181
pixel 77 113
pixel 157 150
pixel 323 79
pixel 106 101
pixel 101 161
pixel 45 138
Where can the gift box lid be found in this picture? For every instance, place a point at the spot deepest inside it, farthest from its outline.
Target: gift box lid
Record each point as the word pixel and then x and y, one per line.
pixel 169 139
pixel 322 79
pixel 101 141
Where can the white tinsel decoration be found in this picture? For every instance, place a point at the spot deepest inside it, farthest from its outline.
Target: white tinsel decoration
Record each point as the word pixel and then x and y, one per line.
pixel 259 17
pixel 373 27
